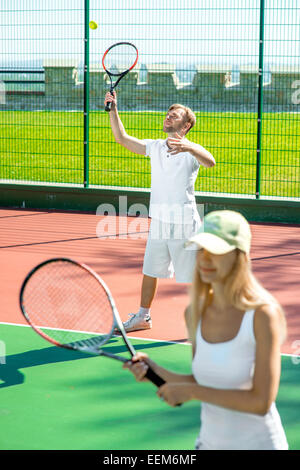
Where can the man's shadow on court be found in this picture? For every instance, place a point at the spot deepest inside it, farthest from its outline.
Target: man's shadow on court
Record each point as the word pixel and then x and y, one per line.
pixel 10 372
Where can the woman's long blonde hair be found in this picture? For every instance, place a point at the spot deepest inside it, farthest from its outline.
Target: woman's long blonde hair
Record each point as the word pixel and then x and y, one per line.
pixel 242 289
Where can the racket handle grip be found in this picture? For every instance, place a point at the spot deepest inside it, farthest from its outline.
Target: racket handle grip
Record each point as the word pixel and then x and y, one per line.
pixel 108 104
pixel 156 379
pixel 108 107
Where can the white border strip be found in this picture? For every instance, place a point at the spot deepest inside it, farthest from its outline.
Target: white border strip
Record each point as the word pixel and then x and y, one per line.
pixel 138 338
pixel 96 333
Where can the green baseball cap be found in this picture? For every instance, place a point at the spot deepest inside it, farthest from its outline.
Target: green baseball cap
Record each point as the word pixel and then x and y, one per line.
pixel 222 232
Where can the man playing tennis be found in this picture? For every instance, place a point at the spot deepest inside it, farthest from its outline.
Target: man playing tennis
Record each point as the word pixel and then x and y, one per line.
pixel 175 162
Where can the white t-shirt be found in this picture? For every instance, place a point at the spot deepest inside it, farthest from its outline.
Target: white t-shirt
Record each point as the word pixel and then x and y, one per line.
pixel 230 365
pixel 172 184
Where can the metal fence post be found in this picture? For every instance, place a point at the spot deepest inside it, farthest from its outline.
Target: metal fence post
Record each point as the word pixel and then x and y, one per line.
pixel 260 97
pixel 86 93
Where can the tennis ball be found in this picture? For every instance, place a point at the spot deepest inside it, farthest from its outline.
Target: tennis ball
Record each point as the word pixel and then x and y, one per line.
pixel 93 25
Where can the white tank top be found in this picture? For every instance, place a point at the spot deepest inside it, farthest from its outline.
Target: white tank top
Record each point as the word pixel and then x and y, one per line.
pixel 230 365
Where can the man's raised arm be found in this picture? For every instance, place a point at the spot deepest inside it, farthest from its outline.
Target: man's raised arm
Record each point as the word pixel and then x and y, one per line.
pixel 121 137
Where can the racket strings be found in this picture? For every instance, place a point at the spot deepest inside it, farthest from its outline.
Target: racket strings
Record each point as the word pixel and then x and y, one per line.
pixel 68 303
pixel 120 58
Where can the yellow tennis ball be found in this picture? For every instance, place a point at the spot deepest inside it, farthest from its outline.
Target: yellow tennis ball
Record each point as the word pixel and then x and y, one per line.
pixel 93 25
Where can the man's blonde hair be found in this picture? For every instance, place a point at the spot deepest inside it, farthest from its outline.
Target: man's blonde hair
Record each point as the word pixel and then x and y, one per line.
pixel 189 114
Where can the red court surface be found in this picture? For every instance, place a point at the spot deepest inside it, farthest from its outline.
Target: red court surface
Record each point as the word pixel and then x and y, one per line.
pixel 29 237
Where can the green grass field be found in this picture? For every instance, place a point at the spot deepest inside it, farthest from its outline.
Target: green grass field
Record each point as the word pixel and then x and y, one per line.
pixel 48 147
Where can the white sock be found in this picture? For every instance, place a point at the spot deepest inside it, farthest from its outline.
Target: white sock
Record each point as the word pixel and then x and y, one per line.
pixel 144 311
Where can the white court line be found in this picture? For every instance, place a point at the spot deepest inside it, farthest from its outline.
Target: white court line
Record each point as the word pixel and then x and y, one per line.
pixel 131 337
pixel 96 333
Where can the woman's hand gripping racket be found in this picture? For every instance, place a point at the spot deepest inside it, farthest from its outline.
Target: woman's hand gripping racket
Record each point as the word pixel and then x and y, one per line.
pixel 117 61
pixel 70 306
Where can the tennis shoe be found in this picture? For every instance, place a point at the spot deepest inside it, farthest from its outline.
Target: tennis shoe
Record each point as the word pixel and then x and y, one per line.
pixel 137 322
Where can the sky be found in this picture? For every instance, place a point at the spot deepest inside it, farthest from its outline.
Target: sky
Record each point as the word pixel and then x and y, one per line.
pixel 170 31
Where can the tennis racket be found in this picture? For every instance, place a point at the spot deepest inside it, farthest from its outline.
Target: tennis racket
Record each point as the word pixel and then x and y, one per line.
pixel 117 61
pixel 70 306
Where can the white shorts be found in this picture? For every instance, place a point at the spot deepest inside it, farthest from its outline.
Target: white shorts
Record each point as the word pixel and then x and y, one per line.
pixel 166 254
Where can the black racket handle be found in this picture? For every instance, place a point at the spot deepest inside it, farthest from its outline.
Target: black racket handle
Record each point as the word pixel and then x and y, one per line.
pixel 108 107
pixel 156 379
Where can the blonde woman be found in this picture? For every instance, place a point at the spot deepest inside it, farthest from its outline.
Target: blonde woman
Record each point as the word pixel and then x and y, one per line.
pixel 236 328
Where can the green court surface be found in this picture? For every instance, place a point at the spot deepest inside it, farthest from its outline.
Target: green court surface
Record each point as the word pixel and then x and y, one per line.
pixel 57 399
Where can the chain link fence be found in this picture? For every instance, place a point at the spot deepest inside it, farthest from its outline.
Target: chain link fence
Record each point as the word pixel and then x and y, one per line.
pixel 234 62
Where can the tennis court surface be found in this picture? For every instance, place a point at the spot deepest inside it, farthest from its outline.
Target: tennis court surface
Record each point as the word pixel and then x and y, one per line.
pixel 56 399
